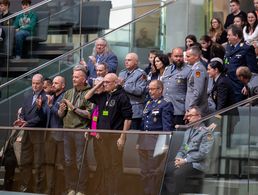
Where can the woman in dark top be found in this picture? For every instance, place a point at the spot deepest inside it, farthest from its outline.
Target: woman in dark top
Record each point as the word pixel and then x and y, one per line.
pixel 217 32
pixel 222 92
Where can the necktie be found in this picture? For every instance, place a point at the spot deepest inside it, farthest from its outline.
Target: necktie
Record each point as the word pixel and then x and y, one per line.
pixel 34 98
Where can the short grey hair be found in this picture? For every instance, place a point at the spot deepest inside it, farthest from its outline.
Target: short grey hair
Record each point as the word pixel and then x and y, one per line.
pixel 196 51
pixel 81 68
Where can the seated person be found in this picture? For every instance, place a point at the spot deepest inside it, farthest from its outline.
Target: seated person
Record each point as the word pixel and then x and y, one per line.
pixel 25 25
pixel 191 158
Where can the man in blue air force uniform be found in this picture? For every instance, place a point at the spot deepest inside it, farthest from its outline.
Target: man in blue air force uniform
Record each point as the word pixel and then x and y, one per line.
pixel 192 157
pixel 175 84
pixel 157 116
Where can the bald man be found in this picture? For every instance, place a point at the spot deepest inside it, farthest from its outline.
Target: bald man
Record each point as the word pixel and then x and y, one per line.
pixel 134 81
pixel 115 112
pixel 32 154
pixel 54 145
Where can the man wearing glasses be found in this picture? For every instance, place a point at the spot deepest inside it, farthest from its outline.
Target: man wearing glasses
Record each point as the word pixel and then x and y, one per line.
pixel 191 159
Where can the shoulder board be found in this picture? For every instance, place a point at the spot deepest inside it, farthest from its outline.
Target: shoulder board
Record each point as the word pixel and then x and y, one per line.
pixel 124 70
pixel 166 99
pixel 241 44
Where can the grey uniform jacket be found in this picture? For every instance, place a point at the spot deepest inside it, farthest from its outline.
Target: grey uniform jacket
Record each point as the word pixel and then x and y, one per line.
pixel 175 86
pixel 196 146
pixel 134 85
pixel 197 83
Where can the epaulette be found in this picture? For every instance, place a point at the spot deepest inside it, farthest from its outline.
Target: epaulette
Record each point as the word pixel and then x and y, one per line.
pixel 166 99
pixel 241 44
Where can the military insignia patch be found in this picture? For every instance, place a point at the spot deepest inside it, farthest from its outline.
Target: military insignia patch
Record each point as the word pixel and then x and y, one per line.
pixel 197 74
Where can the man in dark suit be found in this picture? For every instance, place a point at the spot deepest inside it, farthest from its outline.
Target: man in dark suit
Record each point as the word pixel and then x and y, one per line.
pixel 157 116
pixel 191 159
pixel 32 151
pixel 238 54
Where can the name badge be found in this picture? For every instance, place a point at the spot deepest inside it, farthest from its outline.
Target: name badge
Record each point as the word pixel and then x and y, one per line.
pixel 95 118
pixel 105 113
pixel 186 147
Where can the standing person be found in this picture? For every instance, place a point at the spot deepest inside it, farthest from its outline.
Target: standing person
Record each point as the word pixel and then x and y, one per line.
pixel 76 113
pixel 160 62
pixel 250 31
pixel 133 80
pixel 217 31
pixel 222 93
pixel 32 149
pixel 4 9
pixel 191 159
pixel 101 71
pixel 175 84
pixel 197 81
pixel 116 114
pixel 25 26
pixel 206 43
pixel 54 147
pixel 235 11
pixel 157 116
pixel 47 86
pixel 238 54
pixel 101 53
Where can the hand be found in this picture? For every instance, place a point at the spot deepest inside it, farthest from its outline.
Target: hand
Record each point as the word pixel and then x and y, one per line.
pixel 62 106
pixel 82 62
pixel 179 162
pixel 93 59
pixel 244 91
pixel 70 106
pixel 120 143
pixel 39 102
pixel 50 99
pixel 19 123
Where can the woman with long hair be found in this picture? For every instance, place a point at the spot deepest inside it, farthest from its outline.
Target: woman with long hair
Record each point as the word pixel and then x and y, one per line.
pixel 217 32
pixel 250 31
pixel 161 61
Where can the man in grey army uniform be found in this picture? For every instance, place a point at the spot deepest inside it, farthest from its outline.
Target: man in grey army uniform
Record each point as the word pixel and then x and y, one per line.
pixel 134 81
pixel 192 156
pixel 175 84
pixel 197 82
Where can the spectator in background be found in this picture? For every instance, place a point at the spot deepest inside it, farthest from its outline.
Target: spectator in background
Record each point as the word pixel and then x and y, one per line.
pixel 222 92
pixel 143 40
pixel 151 56
pixel 160 62
pixel 217 32
pixel 235 11
pixel 175 84
pixel 101 71
pixel 25 26
pixel 192 157
pixel 101 53
pixel 206 43
pixel 76 113
pixel 190 40
pixel 54 143
pixel 133 80
pixel 32 149
pixel 157 116
pixel 217 50
pixel 250 31
pixel 197 81
pixel 256 6
pixel 47 86
pixel 238 54
pixel 4 9
pixel 249 80
pixel 239 22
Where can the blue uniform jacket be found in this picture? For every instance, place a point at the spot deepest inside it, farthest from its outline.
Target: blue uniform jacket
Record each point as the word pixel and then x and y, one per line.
pixel 109 58
pixel 196 147
pixel 241 55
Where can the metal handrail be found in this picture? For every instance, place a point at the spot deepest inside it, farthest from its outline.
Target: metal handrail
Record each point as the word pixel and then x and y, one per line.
pixel 82 46
pixel 23 11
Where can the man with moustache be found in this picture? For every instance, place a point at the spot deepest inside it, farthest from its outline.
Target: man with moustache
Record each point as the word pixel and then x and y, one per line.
pixel 175 84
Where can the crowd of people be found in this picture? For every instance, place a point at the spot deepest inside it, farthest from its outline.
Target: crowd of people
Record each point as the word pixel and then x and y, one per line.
pixel 189 83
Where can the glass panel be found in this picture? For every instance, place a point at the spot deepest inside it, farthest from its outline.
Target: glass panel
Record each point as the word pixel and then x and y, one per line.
pixel 232 160
pixel 100 167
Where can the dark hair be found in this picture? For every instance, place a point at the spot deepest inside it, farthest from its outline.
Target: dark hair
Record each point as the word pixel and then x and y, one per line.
pixel 244 71
pixel 192 37
pixel 153 51
pixel 163 58
pixel 248 26
pixel 216 64
pixel 26 2
pixel 217 50
pixel 205 38
pixel 242 19
pixel 5 2
pixel 236 31
pixel 235 1
pixel 48 80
